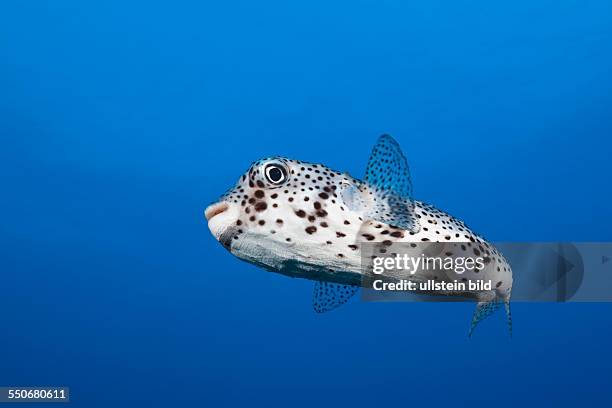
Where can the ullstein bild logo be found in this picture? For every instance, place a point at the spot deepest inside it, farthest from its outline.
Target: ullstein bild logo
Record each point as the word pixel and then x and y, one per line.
pixel 530 272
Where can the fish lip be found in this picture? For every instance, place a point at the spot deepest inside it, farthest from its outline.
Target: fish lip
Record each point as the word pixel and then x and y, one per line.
pixel 221 218
pixel 215 209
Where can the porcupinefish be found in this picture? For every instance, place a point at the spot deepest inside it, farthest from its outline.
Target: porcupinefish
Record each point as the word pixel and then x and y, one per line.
pixel 305 220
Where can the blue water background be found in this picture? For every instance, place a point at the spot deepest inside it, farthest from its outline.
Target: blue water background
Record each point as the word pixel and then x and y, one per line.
pixel 121 120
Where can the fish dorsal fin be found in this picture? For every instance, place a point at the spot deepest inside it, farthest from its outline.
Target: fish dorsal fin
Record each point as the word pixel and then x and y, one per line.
pixel 386 194
pixel 388 168
pixel 328 296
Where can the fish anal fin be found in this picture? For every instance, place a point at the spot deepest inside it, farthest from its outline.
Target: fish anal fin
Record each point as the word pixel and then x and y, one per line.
pixel 483 310
pixel 508 315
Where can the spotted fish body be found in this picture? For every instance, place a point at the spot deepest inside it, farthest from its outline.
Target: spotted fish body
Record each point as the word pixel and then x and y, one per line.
pixel 308 221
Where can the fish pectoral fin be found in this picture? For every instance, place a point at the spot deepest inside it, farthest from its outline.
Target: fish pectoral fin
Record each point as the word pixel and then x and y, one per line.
pixel 329 296
pixel 386 194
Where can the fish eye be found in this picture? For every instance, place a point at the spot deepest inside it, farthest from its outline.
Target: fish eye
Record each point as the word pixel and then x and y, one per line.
pixel 275 173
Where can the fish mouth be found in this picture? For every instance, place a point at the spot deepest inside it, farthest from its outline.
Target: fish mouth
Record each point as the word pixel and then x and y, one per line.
pixel 221 218
pixel 215 209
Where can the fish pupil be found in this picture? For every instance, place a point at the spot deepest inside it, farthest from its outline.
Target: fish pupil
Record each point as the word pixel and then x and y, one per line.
pixel 275 174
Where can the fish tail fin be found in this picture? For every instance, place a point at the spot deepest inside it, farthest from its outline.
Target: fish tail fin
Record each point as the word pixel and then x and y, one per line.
pixel 483 310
